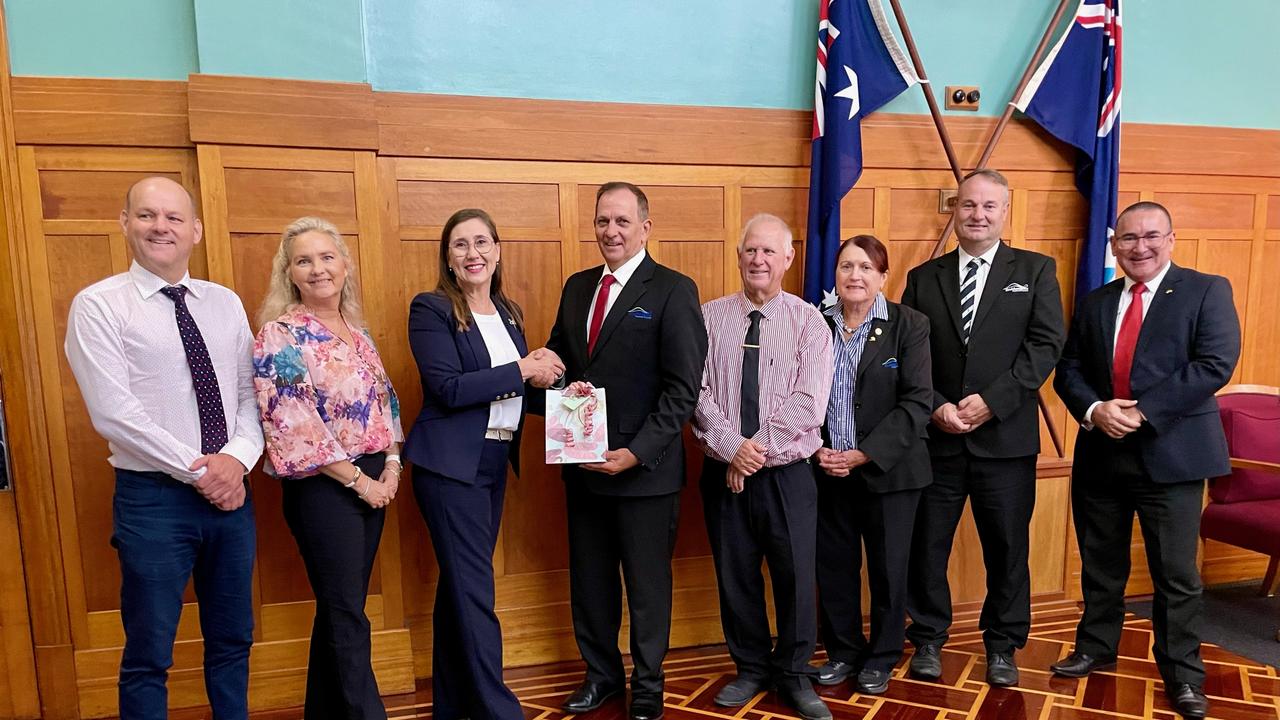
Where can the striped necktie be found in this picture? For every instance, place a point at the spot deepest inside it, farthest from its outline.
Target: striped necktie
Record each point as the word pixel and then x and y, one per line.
pixel 969 297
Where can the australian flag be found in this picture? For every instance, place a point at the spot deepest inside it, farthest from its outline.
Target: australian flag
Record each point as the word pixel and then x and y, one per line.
pixel 860 68
pixel 1075 95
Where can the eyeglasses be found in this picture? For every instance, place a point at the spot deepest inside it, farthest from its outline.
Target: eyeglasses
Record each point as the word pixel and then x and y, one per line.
pixel 461 247
pixel 1129 240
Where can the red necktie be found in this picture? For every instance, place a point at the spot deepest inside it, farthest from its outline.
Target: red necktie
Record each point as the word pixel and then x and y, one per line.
pixel 597 315
pixel 1126 343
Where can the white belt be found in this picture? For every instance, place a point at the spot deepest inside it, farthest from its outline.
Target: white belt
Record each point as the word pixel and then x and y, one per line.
pixel 504 435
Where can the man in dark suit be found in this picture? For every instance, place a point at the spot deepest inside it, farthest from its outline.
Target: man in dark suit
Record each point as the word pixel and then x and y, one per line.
pixel 634 328
pixel 996 330
pixel 1145 356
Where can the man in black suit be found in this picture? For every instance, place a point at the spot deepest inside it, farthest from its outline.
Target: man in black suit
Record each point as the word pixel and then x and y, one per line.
pixel 1146 354
pixel 634 328
pixel 996 330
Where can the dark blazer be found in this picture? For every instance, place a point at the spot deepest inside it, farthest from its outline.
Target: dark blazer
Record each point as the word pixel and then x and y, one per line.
pixel 457 387
pixel 1015 341
pixel 892 405
pixel 648 358
pixel 1187 349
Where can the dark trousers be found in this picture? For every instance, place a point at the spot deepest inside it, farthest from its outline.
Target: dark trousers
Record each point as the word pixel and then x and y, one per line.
pixel 638 534
pixel 466 675
pixel 337 535
pixel 166 534
pixel 849 515
pixel 1002 494
pixel 773 519
pixel 1103 507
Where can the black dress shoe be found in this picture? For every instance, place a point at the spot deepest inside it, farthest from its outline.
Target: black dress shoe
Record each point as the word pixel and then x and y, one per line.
pixel 1187 700
pixel 1078 664
pixel 872 682
pixel 926 662
pixel 1001 671
pixel 807 704
pixel 646 707
pixel 589 696
pixel 833 672
pixel 738 692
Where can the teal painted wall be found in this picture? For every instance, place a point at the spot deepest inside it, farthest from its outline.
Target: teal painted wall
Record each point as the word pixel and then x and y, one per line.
pixel 1185 62
pixel 151 39
pixel 297 39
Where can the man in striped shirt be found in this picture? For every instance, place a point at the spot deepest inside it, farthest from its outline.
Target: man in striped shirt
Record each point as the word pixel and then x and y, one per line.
pixel 759 418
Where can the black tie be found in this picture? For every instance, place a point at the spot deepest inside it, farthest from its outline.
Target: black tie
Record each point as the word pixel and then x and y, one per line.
pixel 751 377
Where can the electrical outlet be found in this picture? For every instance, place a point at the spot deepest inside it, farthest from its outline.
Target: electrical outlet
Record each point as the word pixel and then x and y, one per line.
pixel 947 201
pixel 962 97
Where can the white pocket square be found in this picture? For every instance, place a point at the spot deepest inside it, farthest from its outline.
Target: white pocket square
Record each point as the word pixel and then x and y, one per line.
pixel 1016 287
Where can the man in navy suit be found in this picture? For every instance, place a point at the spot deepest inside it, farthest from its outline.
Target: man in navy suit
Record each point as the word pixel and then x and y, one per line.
pixel 995 319
pixel 634 328
pixel 1144 359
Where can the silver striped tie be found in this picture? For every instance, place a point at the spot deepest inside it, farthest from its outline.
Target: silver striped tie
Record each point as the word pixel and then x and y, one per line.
pixel 968 297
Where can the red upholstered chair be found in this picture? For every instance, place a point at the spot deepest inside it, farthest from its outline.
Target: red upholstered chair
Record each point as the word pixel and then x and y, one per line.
pixel 1244 507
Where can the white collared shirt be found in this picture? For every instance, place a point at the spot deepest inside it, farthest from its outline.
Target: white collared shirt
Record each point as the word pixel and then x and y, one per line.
pixel 984 269
pixel 503 414
pixel 126 353
pixel 621 277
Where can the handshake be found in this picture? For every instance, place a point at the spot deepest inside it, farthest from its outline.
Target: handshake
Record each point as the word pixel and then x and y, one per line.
pixel 541 368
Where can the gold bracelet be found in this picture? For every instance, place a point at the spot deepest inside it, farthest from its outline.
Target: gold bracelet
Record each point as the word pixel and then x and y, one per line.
pixel 354 478
pixel 367 486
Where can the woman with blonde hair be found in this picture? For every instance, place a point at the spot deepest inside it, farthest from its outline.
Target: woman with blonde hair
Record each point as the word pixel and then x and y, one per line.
pixel 332 426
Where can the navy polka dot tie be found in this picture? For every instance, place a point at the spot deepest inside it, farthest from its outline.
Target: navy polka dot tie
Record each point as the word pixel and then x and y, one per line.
pixel 213 422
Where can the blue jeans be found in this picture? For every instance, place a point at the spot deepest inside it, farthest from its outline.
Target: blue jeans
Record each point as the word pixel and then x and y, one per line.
pixel 165 533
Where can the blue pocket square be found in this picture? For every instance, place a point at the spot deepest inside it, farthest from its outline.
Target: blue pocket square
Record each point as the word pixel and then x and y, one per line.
pixel 891 363
pixel 640 313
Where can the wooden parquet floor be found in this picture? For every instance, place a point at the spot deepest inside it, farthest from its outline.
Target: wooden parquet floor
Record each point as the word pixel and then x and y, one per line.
pixel 1238 689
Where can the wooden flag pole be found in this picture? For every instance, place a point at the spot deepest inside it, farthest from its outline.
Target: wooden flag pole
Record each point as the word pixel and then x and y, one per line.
pixel 928 92
pixel 997 132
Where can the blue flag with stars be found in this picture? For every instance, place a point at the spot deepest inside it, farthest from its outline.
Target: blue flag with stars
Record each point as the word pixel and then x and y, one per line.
pixel 1075 95
pixel 860 68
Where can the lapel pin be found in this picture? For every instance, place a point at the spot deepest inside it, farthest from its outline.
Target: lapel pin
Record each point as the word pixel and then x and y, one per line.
pixel 879 330
pixel 871 339
pixel 1168 291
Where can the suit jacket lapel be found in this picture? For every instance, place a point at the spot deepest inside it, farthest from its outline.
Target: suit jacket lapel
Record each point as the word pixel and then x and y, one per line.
pixel 875 345
pixel 631 292
pixel 1109 306
pixel 517 337
pixel 1156 312
pixel 579 311
pixel 947 271
pixel 478 348
pixel 1001 271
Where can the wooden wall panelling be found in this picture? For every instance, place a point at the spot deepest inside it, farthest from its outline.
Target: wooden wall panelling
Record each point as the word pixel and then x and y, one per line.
pixel 252 194
pixel 29 575
pixel 296 113
pixel 83 111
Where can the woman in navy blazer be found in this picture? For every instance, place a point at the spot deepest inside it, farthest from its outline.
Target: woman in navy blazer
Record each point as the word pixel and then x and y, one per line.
pixel 872 467
pixel 468 340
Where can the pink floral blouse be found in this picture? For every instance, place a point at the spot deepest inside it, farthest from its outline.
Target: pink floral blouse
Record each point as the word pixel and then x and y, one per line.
pixel 321 400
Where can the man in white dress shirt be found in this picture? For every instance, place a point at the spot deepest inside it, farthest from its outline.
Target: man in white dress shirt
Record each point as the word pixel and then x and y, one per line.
pixel 164 363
